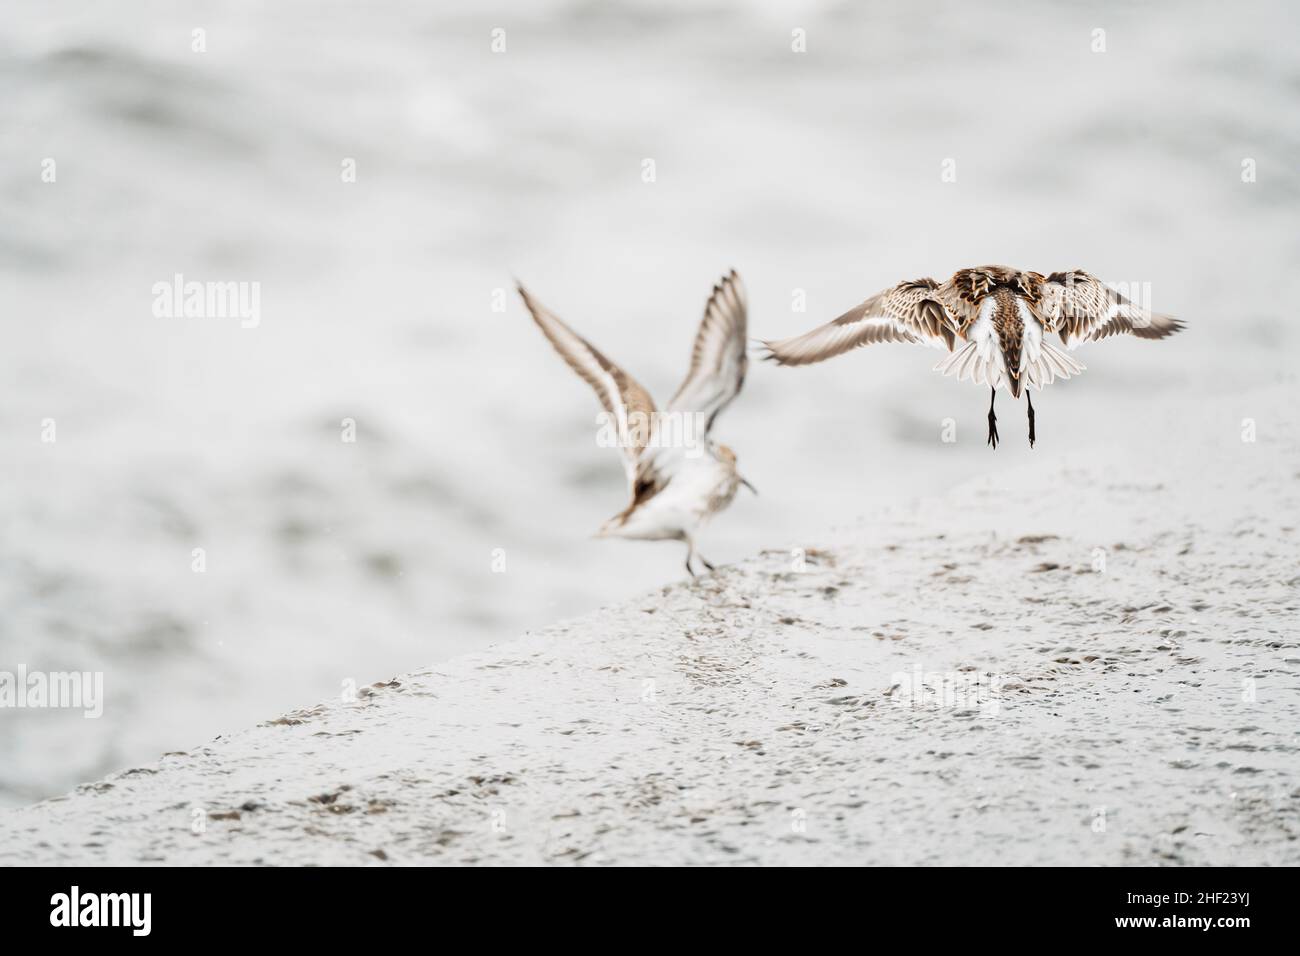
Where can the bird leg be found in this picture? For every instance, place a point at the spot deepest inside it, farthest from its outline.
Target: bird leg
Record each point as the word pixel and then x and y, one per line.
pixel 692 553
pixel 1030 399
pixel 993 419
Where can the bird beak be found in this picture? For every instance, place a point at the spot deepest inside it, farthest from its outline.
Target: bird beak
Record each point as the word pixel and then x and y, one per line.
pixel 748 485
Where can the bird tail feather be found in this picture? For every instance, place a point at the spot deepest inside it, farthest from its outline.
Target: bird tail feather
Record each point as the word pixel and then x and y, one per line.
pixel 1050 364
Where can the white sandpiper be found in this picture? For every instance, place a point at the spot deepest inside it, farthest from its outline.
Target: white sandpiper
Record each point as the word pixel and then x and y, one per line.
pixel 675 486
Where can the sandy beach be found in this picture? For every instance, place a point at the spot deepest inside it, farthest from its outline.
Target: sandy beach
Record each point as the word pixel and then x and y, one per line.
pixel 1074 664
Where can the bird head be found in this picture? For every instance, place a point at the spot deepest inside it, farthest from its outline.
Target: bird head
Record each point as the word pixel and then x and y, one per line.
pixel 725 454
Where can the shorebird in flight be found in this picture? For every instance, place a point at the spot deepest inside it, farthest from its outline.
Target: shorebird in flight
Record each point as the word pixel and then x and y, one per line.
pixel 999 313
pixel 677 477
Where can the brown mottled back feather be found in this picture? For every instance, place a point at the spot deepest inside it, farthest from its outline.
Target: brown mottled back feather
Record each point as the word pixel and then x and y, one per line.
pixel 1011 334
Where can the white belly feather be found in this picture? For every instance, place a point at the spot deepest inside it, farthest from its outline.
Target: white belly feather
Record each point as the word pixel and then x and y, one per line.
pixel 699 488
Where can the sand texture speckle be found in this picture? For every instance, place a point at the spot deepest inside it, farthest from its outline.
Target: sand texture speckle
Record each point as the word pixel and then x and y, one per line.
pixel 1134 641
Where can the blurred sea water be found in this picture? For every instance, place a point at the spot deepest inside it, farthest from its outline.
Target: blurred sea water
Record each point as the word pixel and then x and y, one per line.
pixel 815 174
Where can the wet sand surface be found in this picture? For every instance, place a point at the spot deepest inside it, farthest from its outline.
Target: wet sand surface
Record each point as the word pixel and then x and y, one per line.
pixel 1133 638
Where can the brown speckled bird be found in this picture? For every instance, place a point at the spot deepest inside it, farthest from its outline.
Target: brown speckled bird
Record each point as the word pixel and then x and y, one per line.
pixel 1000 313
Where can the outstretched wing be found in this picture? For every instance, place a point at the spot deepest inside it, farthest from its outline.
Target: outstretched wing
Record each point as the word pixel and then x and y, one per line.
pixel 718 361
pixel 909 312
pixel 1081 307
pixel 619 393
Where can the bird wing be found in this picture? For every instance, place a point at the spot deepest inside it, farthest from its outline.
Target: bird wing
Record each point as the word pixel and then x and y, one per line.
pixel 1080 306
pixel 622 397
pixel 718 360
pixel 909 312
